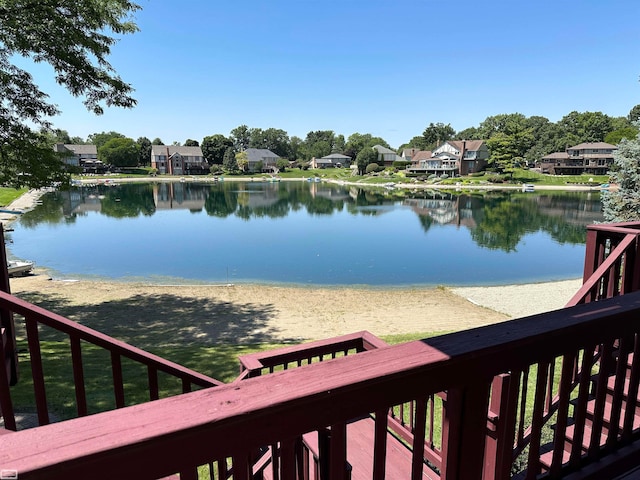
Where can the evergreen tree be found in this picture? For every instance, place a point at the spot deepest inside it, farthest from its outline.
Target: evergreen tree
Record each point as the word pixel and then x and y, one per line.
pixel 623 203
pixel 229 160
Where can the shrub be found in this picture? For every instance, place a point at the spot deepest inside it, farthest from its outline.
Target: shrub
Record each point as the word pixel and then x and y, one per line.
pixel 401 164
pixel 372 167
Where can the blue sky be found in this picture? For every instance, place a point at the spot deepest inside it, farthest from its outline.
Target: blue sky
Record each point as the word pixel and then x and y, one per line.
pixel 385 67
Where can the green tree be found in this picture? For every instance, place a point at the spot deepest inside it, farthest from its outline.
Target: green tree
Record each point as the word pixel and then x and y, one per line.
pixel 157 141
pixel 74 37
pixel 144 145
pixel 471 133
pixel 120 152
pixel 99 139
pixel 214 148
pixel 191 143
pixel 230 162
pixel 364 158
pixel 318 144
pixel 274 139
pixel 282 164
pixel 242 160
pixel 241 137
pixel 587 126
pixel 616 136
pixel 634 114
pixel 359 141
pixel 623 203
pixel 436 134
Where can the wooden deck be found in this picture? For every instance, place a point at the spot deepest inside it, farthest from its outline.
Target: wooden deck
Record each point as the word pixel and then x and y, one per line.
pixel 554 395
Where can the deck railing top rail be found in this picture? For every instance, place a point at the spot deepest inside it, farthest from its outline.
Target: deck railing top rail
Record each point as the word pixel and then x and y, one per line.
pixel 82 332
pixel 232 420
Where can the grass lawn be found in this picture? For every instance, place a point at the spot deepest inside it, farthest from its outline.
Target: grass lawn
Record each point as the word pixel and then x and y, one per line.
pixel 217 361
pixel 519 177
pixel 8 195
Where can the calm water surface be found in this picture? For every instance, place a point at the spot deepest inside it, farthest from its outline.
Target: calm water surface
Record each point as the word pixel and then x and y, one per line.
pixel 306 233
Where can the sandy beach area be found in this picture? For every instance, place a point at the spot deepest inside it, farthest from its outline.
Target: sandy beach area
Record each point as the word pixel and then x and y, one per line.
pixel 263 313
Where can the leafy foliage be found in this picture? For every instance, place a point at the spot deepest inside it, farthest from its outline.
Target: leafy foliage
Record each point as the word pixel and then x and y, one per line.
pixel 623 204
pixel 364 158
pixel 214 148
pixel 120 152
pixel 75 38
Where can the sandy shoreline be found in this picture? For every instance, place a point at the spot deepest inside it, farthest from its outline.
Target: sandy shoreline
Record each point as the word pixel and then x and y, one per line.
pixel 266 313
pixel 263 313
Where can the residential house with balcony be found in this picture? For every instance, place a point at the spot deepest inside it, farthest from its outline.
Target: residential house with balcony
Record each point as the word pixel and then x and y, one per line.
pixel 335 160
pixel 454 157
pixel 591 158
pixel 261 160
pixel 81 156
pixel 178 160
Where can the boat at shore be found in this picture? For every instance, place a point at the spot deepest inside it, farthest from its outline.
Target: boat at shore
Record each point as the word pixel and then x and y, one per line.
pixel 19 268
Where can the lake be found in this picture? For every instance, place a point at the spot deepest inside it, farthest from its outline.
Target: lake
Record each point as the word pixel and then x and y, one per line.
pixel 306 233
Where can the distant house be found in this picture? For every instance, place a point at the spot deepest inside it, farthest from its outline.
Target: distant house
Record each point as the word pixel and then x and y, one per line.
pixel 593 158
pixel 426 163
pixel 257 156
pixel 409 153
pixel 454 157
pixel 82 156
pixel 331 161
pixel 386 156
pixel 177 160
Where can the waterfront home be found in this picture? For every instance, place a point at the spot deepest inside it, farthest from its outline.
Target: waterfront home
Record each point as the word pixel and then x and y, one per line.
pixel 261 160
pixel 453 158
pixel 82 156
pixel 591 158
pixel 178 160
pixel 335 160
pixel 386 156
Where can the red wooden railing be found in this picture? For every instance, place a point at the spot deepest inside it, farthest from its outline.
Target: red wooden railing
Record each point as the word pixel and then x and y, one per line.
pixel 482 371
pixel 612 262
pixel 38 321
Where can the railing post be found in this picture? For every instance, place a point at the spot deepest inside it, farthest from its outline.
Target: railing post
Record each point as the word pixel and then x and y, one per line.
pixel 464 431
pixel 502 431
pixel 7 327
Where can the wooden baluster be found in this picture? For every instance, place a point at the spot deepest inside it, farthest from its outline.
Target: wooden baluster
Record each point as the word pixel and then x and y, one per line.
pixel 118 382
pixel 634 378
pixel 78 376
pixel 152 375
pixel 338 452
pixel 419 433
pixel 380 445
pixel 37 372
pixel 499 446
pixel 606 368
pixel 564 393
pixel 580 405
pixel 533 462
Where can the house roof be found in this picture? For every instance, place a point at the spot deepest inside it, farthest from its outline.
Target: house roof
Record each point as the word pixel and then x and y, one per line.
pixel 173 149
pixel 410 152
pixel 382 149
pixel 259 154
pixel 335 156
pixel 82 149
pixel 421 155
pixel 593 145
pixel 469 145
pixel 556 156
